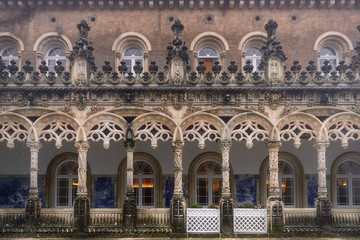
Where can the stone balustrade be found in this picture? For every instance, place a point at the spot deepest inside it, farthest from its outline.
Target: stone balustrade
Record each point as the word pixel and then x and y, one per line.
pixel 346 217
pixel 106 216
pixel 57 217
pixel 300 216
pixel 153 217
pixel 12 217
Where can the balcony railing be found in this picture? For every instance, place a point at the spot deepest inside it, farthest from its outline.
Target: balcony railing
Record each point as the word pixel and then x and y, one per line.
pixel 51 217
pixel 300 216
pixel 203 220
pixel 250 220
pixel 106 216
pixel 12 217
pixel 153 217
pixel 346 217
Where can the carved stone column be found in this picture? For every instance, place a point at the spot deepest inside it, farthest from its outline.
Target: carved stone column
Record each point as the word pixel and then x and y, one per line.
pixel 274 204
pixel 129 210
pixel 226 202
pixel 33 203
pixel 177 203
pixel 82 202
pixel 323 203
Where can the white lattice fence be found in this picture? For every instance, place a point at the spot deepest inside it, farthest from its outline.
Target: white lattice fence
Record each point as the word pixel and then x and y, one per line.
pixel 250 220
pixel 203 220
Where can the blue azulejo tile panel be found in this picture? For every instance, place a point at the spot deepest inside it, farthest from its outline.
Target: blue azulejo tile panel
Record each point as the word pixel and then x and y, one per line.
pixel 246 190
pixel 14 191
pixel 104 194
pixel 312 187
pixel 169 190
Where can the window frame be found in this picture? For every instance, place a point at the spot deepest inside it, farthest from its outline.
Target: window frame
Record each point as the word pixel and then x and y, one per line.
pixel 70 178
pixel 133 59
pixel 253 59
pixel 209 177
pixel 56 58
pixel 343 158
pixel 8 58
pixel 140 178
pixel 212 59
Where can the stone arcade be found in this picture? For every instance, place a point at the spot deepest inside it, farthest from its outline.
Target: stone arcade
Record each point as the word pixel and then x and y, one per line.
pixel 134 150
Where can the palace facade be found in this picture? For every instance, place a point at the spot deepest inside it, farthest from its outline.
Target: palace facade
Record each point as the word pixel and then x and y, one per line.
pixel 172 118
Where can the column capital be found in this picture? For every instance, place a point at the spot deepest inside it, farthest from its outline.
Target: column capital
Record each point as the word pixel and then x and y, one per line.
pixel 178 145
pixel 82 145
pixel 225 144
pixel 130 145
pixel 273 145
pixel 33 145
pixel 321 146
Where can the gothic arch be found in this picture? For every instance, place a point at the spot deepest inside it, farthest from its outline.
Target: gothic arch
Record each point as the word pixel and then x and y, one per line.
pixel 252 39
pixel 299 125
pixel 13 127
pixel 195 163
pixel 105 127
pixel 337 41
pixel 10 40
pixel 354 156
pixel 202 126
pixel 299 177
pixel 48 41
pixel 57 126
pixel 343 126
pixel 209 39
pixel 131 39
pixel 153 127
pixel 250 126
pixel 121 178
pixel 50 176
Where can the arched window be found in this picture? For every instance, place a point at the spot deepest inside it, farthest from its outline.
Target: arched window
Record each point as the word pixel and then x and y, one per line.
pixel 54 55
pixel 9 54
pixel 144 184
pixel 327 53
pixel 253 55
pixel 348 184
pixel 286 183
pixel 291 180
pixel 66 182
pixel 209 56
pixel 208 183
pixel 333 46
pixel 131 56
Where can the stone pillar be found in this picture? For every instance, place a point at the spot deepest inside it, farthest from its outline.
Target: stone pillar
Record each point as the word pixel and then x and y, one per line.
pixel 226 202
pixel 323 203
pixel 33 203
pixel 82 202
pixel 177 203
pixel 129 210
pixel 274 204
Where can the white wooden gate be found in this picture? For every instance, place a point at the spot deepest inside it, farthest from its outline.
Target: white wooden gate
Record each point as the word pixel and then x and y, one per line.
pixel 250 220
pixel 203 220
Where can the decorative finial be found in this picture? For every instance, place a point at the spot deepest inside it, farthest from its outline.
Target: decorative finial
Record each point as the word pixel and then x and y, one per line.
pixel 177 29
pixel 83 29
pixel 270 28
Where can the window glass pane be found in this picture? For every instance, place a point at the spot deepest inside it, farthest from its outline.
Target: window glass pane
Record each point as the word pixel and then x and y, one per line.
pixel 253 52
pixel 128 65
pixel 142 168
pixel 10 52
pixel 209 168
pixel 147 192
pixel 68 168
pixel 74 190
pixel 327 52
pixel 208 52
pixel 202 191
pixel 62 192
pixel 349 167
pixel 136 189
pixel 342 190
pixel 356 191
pixel 287 189
pixel 57 52
pixel 133 52
pixel 216 190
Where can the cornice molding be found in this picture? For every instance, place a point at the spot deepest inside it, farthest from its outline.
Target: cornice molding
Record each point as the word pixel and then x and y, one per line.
pixel 172 4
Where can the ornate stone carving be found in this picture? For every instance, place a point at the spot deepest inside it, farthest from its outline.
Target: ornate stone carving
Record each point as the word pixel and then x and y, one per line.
pixel 34 154
pixel 177 100
pixel 225 146
pixel 11 131
pixel 82 147
pixel 260 108
pixel 288 109
pixel 191 108
pixel 94 108
pixel 178 148
pixel 67 109
pixel 80 100
pixel 321 150
pixel 273 148
pixel 356 108
pixel 274 100
pixel 164 108
pixel 153 131
pixel 248 131
pixel 201 131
